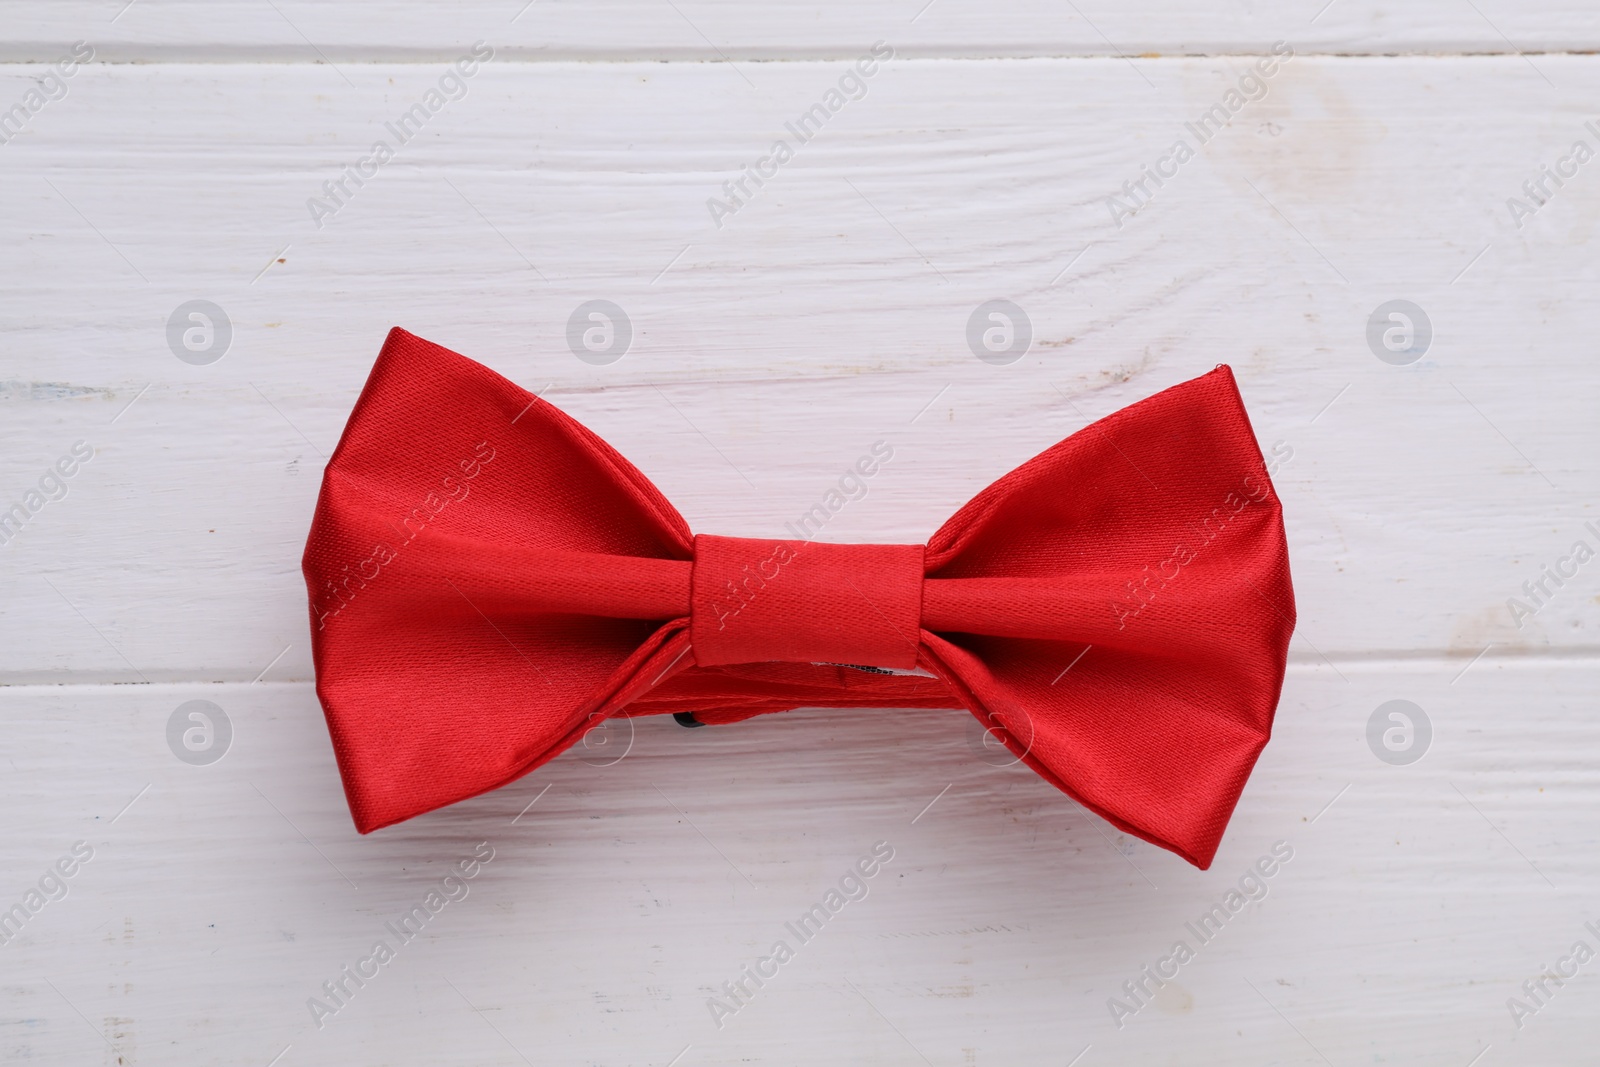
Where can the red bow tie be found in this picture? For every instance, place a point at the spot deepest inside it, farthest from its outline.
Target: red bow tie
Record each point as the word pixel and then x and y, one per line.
pixel 489 581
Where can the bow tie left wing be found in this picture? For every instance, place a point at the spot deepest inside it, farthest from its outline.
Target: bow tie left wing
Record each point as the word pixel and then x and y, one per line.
pixel 1129 609
pixel 438 685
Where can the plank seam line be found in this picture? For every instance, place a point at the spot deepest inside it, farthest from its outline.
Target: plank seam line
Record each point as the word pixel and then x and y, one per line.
pixel 511 56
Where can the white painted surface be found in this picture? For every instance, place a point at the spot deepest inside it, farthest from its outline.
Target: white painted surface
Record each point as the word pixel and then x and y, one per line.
pixel 228 30
pixel 826 314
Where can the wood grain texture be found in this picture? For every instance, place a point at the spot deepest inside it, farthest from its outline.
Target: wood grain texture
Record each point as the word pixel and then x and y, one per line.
pixel 1417 901
pixel 828 312
pixel 720 30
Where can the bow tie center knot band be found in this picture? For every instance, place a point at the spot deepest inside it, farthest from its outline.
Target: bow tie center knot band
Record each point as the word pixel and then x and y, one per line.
pixel 756 600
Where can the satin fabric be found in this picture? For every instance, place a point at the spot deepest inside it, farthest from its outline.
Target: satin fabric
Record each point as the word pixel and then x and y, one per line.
pixel 489 580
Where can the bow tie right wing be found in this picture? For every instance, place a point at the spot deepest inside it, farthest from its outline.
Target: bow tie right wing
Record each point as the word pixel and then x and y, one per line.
pixel 1129 607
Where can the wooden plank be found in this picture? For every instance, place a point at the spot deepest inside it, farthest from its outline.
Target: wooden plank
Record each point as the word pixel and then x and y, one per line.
pixel 830 311
pixel 183 31
pixel 1417 900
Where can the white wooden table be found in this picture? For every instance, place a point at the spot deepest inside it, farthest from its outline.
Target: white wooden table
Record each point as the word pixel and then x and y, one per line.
pixel 830 310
